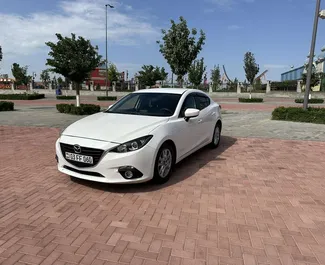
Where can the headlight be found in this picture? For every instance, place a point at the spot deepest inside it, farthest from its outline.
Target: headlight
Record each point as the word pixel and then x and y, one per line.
pixel 133 145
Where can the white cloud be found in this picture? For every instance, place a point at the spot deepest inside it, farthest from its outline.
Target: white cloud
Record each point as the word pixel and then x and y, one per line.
pixel 225 4
pixel 234 27
pixel 27 34
pixel 276 66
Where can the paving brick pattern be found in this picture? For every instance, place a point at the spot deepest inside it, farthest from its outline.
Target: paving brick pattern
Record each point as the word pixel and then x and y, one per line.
pixel 252 201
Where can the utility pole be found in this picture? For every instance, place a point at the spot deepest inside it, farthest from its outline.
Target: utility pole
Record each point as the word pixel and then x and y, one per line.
pixel 311 54
pixel 106 61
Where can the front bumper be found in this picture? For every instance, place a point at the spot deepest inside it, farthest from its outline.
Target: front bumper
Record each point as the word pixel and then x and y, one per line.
pixel 112 166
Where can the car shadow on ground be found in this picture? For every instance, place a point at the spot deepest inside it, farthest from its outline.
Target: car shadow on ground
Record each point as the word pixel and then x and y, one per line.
pixel 183 170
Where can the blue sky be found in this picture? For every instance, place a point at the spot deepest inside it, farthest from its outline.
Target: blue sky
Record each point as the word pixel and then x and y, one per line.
pixel 278 32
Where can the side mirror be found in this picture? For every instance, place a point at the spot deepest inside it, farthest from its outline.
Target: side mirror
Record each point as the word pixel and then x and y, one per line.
pixel 191 113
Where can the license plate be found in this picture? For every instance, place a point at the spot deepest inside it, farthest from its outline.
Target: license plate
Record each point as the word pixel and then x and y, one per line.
pixel 79 158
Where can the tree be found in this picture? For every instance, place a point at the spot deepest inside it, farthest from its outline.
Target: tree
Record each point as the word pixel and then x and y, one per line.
pixel 150 74
pixel 162 74
pixel 55 82
pixel 20 74
pixel 196 71
pixel 215 77
pixel 45 77
pixel 315 79
pixel 112 74
pixel 180 48
pixel 251 69
pixel 73 58
pixel 60 81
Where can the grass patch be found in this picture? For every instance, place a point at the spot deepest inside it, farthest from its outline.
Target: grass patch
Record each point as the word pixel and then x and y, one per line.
pixel 311 101
pixel 22 96
pixel 296 114
pixel 109 98
pixel 6 106
pixel 250 100
pixel 65 97
pixel 84 109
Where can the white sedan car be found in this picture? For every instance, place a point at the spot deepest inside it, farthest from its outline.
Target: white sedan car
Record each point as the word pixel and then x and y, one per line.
pixel 140 137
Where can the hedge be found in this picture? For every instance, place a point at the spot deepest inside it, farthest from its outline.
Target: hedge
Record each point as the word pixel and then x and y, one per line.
pixel 109 98
pixel 311 101
pixel 24 96
pixel 84 109
pixel 65 97
pixel 6 106
pixel 311 115
pixel 250 100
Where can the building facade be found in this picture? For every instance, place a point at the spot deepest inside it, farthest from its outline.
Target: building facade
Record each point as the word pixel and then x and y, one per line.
pixel 294 74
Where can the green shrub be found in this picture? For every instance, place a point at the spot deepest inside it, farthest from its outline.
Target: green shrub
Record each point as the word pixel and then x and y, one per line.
pixel 84 109
pixel 311 101
pixel 6 106
pixel 65 97
pixel 250 100
pixel 23 96
pixel 311 115
pixel 109 98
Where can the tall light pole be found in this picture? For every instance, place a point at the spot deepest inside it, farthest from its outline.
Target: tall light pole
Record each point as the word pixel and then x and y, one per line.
pixel 106 61
pixel 312 51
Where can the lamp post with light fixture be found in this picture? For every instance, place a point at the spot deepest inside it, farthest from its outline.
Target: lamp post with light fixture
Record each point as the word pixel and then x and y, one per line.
pixel 318 14
pixel 106 62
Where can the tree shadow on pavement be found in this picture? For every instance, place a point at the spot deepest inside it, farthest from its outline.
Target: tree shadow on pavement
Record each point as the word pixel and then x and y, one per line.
pixel 183 170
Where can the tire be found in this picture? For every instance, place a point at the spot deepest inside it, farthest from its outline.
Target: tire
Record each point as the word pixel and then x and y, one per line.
pixel 216 136
pixel 167 150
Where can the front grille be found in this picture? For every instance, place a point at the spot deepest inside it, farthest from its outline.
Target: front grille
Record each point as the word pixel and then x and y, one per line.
pixel 95 153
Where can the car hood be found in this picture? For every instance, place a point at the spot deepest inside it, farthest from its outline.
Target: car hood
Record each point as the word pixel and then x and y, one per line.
pixel 111 127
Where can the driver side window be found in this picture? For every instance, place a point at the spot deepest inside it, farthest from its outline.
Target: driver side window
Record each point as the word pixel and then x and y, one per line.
pixel 188 103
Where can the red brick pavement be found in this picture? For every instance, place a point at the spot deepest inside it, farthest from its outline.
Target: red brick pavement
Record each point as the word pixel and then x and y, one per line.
pixel 253 201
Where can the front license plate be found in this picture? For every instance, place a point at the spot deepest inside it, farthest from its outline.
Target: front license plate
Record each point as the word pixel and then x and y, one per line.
pixel 79 158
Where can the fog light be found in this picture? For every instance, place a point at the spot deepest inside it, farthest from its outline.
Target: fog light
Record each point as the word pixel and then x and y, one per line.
pixel 128 174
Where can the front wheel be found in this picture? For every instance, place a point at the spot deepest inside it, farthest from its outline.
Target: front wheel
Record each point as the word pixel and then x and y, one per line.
pixel 164 164
pixel 216 136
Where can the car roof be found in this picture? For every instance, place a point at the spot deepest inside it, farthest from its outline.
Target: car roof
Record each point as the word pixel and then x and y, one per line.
pixel 179 91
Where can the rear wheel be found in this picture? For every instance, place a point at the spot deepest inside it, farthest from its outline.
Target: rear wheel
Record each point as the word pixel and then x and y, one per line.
pixel 216 136
pixel 164 164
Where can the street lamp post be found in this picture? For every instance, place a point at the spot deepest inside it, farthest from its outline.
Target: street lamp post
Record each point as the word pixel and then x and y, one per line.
pixel 312 51
pixel 106 61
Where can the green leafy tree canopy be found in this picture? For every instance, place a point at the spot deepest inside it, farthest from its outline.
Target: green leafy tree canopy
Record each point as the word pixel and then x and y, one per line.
pixel 45 77
pixel 251 67
pixel 215 77
pixel 150 74
pixel 180 48
pixel 60 81
pixel 20 74
pixel 196 71
pixel 315 79
pixel 73 58
pixel 112 73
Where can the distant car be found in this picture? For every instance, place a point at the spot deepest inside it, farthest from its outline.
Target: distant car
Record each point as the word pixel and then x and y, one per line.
pixel 140 137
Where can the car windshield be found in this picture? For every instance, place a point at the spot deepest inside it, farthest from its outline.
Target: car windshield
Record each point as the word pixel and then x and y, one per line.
pixel 147 104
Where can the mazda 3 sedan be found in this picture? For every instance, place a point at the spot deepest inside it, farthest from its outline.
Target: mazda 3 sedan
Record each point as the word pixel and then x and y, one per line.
pixel 141 137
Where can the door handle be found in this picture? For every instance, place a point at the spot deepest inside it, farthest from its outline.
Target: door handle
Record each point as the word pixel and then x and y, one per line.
pixel 199 121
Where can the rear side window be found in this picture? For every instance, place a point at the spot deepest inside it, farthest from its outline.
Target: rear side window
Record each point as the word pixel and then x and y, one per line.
pixel 202 102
